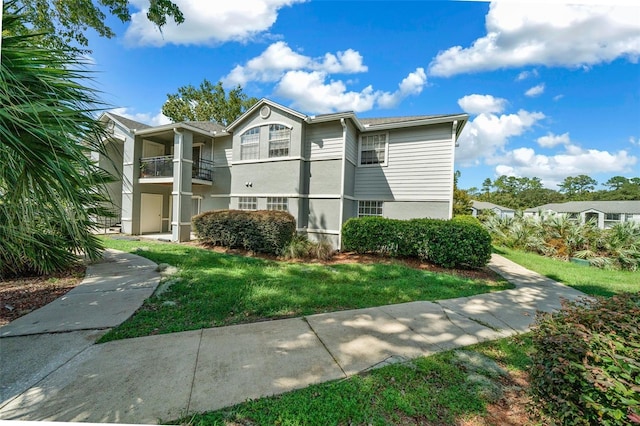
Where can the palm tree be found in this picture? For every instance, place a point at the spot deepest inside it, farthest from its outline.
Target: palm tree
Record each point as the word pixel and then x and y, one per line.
pixel 49 187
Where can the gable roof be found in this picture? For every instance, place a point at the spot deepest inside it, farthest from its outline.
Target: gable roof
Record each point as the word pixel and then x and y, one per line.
pixel 259 104
pixel 581 206
pixel 126 122
pixel 485 205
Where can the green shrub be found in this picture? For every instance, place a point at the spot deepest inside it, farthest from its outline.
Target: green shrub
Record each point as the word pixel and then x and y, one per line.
pixel 586 368
pixel 452 243
pixel 264 231
pixel 372 235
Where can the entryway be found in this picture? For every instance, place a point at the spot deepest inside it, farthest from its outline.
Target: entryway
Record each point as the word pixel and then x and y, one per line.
pixel 150 213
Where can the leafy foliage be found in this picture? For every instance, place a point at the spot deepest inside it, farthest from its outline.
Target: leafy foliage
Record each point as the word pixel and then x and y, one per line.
pixel 522 192
pixel 561 237
pixel 453 243
pixel 66 22
pixel 264 231
pixel 586 367
pixel 300 247
pixel 207 103
pixel 49 187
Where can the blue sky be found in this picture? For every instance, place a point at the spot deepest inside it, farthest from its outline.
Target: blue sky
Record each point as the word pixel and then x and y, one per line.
pixel 552 90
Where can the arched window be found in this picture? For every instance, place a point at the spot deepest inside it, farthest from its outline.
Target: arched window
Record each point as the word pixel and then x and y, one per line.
pixel 250 144
pixel 279 140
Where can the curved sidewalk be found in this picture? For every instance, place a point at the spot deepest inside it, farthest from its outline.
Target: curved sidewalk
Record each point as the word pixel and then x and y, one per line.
pixel 164 377
pixel 33 346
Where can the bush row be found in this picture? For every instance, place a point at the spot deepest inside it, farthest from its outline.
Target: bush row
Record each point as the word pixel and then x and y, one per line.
pixel 264 231
pixel 449 243
pixel 586 366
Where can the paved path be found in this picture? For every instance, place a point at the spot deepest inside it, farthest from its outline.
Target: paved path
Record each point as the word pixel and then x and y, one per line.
pixel 164 377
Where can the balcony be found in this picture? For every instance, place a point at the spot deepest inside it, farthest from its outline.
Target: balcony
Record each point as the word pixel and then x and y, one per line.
pixel 203 170
pixel 162 167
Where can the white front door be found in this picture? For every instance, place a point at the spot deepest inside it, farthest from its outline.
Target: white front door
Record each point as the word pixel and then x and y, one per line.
pixel 150 213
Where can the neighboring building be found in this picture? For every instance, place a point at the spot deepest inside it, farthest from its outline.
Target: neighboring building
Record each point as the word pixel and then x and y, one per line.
pixel 501 212
pixel 605 213
pixel 322 169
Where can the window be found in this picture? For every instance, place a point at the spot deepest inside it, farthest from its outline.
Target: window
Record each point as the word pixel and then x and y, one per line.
pixel 277 203
pixel 247 203
pixel 373 149
pixel 612 216
pixel 369 208
pixel 250 144
pixel 279 140
pixel 196 205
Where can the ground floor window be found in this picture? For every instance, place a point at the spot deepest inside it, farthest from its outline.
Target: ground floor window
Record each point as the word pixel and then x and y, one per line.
pixel 369 208
pixel 247 203
pixel 277 203
pixel 196 205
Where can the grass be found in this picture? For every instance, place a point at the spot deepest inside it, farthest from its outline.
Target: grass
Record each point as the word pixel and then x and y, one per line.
pixel 429 390
pixel 590 280
pixel 212 289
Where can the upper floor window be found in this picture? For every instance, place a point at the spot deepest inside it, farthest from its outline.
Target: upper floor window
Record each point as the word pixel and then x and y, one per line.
pixel 373 149
pixel 279 140
pixel 250 144
pixel 277 203
pixel 369 208
pixel 247 203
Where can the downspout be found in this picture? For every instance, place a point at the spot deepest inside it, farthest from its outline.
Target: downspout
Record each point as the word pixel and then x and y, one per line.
pixel 454 143
pixel 342 178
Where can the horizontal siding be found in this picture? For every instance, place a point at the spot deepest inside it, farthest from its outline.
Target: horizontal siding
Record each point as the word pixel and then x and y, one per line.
pixel 419 167
pixel 324 141
pixel 352 144
pixel 222 151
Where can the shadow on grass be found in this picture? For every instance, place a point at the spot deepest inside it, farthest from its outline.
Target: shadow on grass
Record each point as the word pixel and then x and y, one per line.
pixel 213 289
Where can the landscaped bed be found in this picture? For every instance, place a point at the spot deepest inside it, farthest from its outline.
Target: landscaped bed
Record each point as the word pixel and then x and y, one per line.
pixel 211 289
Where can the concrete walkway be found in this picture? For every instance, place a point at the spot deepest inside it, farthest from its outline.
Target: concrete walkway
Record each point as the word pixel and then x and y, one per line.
pixel 149 379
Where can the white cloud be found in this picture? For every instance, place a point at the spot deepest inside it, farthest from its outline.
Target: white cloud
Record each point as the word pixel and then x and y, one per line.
pixel 478 104
pixel 489 133
pixel 552 169
pixel 554 34
pixel 278 58
pixel 527 74
pixel 556 98
pixel 634 141
pixel 143 117
pixel 535 91
pixel 307 81
pixel 313 91
pixel 412 84
pixel 206 22
pixel 551 140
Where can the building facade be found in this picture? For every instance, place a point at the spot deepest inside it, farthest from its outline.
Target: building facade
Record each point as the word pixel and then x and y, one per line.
pixel 322 169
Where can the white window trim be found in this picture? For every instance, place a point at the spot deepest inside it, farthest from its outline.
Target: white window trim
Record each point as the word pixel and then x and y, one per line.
pixel 254 198
pixel 269 141
pixel 371 201
pixel 271 203
pixel 252 144
pixel 386 150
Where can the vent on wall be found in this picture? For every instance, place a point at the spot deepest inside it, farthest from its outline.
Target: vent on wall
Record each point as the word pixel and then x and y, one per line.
pixel 265 111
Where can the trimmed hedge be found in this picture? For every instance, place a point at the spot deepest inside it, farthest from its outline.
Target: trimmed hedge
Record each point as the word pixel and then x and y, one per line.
pixel 586 367
pixel 449 243
pixel 264 231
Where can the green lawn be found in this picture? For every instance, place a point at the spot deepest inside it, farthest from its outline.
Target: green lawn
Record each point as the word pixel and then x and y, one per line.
pixel 431 390
pixel 588 279
pixel 213 289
